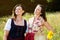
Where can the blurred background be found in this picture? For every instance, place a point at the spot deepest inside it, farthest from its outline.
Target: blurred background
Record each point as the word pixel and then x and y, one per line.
pixel 52 8
pixel 6 6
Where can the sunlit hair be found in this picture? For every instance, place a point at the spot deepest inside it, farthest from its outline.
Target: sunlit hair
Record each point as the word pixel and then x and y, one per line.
pixel 13 11
pixel 42 8
pixel 38 6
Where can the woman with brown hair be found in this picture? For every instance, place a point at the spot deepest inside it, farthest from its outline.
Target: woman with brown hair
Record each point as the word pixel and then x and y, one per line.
pixel 36 23
pixel 16 26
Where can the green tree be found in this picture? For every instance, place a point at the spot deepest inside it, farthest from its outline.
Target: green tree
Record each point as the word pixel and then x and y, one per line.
pixel 54 5
pixel 6 6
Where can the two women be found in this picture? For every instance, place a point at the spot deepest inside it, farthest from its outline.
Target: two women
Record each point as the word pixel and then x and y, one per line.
pixel 16 27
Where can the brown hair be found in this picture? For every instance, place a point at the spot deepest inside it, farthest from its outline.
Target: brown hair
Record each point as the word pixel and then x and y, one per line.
pixel 13 11
pixel 43 15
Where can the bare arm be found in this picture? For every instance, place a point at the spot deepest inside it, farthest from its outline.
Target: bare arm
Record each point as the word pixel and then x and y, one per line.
pixel 5 35
pixel 48 26
pixel 7 29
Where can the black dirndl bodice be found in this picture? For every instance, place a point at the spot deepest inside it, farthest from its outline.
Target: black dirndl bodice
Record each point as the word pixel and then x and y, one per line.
pixel 16 31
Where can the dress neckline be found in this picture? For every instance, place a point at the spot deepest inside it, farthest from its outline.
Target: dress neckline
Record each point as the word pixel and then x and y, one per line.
pixel 18 25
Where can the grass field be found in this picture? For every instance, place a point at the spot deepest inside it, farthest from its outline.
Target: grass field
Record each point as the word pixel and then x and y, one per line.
pixel 52 18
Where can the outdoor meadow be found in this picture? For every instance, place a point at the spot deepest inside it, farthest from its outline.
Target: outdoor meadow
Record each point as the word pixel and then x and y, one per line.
pixel 52 17
pixel 52 8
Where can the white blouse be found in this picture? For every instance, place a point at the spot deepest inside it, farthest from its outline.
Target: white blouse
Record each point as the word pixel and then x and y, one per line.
pixel 8 25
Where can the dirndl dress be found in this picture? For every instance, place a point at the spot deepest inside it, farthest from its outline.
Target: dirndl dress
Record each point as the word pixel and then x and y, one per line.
pixel 33 26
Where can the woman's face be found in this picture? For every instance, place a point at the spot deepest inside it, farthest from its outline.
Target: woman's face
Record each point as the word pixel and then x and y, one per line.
pixel 19 10
pixel 38 10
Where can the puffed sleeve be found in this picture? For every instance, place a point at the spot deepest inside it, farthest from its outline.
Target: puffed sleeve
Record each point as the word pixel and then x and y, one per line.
pixel 8 25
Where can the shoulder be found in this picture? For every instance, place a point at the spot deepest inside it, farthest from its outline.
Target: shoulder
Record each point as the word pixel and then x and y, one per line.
pixel 8 25
pixel 43 21
pixel 30 20
pixel 9 20
pixel 41 18
pixel 24 20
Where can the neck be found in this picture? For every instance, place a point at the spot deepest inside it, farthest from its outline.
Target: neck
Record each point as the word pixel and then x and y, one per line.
pixel 37 16
pixel 19 17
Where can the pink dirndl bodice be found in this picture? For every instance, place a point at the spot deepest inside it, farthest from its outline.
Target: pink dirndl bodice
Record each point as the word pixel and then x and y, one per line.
pixel 33 27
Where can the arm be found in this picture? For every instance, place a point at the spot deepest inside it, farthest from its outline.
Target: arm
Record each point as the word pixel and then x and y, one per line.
pixel 5 35
pixel 48 26
pixel 7 29
pixel 51 30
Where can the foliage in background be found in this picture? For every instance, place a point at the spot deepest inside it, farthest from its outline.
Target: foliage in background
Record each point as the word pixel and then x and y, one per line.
pixel 53 5
pixel 6 6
